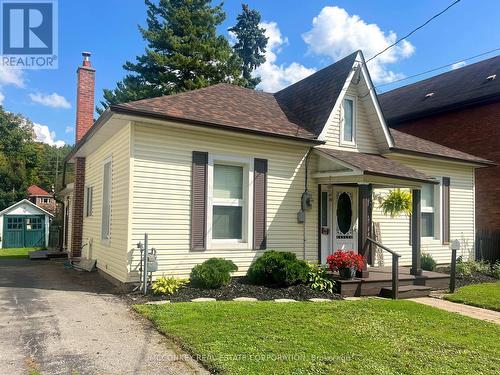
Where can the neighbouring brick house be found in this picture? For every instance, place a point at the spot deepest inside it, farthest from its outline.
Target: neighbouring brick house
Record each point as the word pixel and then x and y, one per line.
pixel 42 199
pixel 458 109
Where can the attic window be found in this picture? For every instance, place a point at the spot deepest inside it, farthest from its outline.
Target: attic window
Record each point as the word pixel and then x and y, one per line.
pixel 491 78
pixel 429 95
pixel 348 122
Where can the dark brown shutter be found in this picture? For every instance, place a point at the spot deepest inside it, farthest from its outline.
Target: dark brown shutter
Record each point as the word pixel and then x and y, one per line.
pixel 199 200
pixel 446 210
pixel 260 204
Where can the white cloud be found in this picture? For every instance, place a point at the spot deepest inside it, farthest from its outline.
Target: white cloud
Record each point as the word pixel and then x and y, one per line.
pixel 12 77
pixel 458 65
pixel 69 129
pixel 336 33
pixel 43 134
pixel 275 77
pixel 53 100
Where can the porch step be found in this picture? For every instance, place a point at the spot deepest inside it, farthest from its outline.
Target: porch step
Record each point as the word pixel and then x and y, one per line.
pixel 407 291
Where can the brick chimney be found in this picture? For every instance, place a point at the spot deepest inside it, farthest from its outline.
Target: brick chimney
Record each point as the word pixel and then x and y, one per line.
pixel 84 120
pixel 84 97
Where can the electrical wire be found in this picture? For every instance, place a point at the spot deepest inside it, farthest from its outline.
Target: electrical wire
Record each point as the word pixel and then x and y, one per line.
pixel 413 31
pixel 439 68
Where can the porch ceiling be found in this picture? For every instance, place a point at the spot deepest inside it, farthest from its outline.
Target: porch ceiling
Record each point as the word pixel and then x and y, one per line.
pixel 356 166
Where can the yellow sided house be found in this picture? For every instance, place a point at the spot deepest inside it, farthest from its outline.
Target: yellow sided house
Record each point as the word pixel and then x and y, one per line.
pixel 229 172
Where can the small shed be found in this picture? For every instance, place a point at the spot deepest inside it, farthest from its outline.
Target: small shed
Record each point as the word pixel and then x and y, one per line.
pixel 24 224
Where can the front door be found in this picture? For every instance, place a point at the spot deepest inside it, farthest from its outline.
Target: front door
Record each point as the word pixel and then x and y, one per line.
pixel 345 218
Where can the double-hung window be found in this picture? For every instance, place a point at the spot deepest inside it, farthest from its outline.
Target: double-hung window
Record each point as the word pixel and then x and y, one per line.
pixel 229 205
pixel 430 211
pixel 348 123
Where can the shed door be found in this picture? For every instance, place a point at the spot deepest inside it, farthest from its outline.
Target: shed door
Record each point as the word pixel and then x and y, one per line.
pixel 34 231
pixel 24 231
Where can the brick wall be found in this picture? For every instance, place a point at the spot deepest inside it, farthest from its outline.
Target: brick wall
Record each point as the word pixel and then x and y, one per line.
pixel 77 219
pixel 85 101
pixel 474 130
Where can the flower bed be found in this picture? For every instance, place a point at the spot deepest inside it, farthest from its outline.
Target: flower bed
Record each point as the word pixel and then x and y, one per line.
pixel 240 287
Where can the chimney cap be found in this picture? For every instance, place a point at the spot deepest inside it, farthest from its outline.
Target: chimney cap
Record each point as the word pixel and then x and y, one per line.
pixel 86 59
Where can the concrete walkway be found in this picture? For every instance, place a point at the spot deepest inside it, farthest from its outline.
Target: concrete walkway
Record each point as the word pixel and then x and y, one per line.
pixel 59 321
pixel 470 311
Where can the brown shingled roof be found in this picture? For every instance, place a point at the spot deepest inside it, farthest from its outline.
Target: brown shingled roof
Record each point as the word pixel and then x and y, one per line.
pixel 224 104
pixel 409 143
pixel 376 165
pixel 299 111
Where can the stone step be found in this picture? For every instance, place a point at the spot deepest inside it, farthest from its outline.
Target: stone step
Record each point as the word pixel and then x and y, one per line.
pixel 407 291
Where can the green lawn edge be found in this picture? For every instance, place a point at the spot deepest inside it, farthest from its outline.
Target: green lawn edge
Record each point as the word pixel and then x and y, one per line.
pixel 485 295
pixel 395 336
pixel 17 253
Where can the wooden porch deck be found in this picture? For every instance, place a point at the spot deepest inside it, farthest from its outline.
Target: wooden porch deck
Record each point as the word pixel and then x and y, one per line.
pixel 381 278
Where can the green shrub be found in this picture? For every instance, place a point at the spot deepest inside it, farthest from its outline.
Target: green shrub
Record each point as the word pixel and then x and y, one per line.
pixel 427 262
pixel 317 279
pixel 167 285
pixel 470 267
pixel 278 268
pixel 495 270
pixel 212 273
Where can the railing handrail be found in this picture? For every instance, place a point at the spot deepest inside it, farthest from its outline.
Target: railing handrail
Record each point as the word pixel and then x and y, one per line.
pixel 383 247
pixel 395 265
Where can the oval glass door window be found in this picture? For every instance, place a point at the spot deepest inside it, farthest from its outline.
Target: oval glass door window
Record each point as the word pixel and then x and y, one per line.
pixel 344 213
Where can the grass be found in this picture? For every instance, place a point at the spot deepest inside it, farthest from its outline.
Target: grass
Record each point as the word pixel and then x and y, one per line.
pixel 343 337
pixel 17 253
pixel 486 295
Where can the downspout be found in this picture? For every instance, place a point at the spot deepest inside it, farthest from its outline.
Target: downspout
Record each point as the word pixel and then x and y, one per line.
pixel 306 180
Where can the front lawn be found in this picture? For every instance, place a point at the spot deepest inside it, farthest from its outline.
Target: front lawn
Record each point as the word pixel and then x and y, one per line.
pixel 485 295
pixel 344 337
pixel 17 253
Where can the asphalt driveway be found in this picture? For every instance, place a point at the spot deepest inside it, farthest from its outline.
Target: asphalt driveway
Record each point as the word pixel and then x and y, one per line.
pixel 58 321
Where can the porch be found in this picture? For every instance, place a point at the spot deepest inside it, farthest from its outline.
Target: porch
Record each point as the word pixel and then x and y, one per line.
pixel 346 185
pixel 379 283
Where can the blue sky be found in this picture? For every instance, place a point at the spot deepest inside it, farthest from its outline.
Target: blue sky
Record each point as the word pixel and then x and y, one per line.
pixel 304 36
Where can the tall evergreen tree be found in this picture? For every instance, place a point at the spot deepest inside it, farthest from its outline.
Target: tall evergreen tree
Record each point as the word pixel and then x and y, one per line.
pixel 251 44
pixel 183 52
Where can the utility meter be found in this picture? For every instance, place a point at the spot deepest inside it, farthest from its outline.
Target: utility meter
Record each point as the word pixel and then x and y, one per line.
pixel 152 263
pixel 307 200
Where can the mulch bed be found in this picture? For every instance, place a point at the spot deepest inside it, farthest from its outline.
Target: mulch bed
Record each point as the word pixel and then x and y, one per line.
pixel 476 278
pixel 239 287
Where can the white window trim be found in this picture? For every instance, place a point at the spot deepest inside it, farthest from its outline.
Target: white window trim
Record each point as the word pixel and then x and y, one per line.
pixel 436 210
pixel 109 159
pixel 247 216
pixel 354 121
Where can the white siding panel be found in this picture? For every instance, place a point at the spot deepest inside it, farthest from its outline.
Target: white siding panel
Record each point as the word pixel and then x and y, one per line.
pixel 161 179
pixel 395 232
pixel 111 254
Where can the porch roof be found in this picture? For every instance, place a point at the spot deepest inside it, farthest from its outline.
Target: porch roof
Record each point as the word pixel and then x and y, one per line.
pixel 376 165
